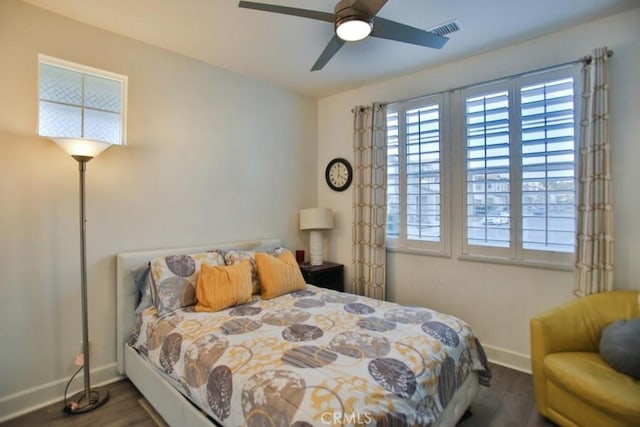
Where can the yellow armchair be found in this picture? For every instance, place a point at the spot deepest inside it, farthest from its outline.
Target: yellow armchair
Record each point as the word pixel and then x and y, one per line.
pixel 573 385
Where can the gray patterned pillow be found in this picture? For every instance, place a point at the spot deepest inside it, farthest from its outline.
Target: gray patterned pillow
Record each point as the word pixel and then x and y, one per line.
pixel 620 346
pixel 174 279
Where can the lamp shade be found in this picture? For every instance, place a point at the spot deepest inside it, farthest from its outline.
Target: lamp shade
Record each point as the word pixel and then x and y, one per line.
pixel 316 219
pixel 81 146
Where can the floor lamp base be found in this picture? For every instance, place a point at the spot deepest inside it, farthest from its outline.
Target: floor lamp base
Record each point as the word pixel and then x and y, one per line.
pixel 86 405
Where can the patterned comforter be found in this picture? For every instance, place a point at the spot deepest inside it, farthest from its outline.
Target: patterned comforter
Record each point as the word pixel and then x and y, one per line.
pixel 313 357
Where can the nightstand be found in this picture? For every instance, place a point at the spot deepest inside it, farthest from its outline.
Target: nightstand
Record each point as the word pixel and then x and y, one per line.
pixel 329 275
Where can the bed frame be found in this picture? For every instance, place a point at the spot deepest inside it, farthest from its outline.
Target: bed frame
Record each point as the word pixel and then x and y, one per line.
pixel 176 409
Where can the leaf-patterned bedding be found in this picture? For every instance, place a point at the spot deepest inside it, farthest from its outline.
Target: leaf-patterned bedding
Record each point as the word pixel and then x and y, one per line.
pixel 313 357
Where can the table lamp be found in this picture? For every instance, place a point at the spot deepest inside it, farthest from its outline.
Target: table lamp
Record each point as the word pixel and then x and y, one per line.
pixel 316 220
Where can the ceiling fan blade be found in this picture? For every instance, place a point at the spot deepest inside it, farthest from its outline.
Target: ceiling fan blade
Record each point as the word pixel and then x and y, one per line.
pixel 392 30
pixel 334 45
pixel 370 7
pixel 312 14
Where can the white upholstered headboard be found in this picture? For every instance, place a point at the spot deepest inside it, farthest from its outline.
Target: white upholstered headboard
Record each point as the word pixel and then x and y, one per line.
pixel 125 289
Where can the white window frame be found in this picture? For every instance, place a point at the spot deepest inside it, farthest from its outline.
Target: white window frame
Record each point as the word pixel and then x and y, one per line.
pixel 515 254
pixel 402 243
pixel 86 70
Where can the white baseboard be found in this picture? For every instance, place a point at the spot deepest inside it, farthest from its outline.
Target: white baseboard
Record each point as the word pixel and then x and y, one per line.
pixel 28 400
pixel 508 358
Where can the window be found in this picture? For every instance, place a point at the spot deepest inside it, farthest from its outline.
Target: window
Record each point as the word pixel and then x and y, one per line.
pixel 488 169
pixel 81 102
pixel 415 197
pixel 548 165
pixel 516 140
pixel 520 168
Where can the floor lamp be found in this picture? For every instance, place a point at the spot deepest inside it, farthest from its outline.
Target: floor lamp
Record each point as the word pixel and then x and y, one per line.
pixel 84 150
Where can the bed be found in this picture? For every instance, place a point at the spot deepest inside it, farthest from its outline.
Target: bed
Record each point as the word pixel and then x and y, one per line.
pixel 310 357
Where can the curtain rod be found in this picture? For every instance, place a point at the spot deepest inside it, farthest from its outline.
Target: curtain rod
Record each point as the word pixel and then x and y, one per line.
pixel 585 60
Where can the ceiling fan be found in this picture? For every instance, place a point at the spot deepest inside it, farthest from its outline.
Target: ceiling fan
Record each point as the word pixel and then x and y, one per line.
pixel 355 20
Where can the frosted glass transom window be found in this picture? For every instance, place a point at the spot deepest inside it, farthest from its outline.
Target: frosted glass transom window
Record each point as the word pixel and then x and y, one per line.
pixel 76 101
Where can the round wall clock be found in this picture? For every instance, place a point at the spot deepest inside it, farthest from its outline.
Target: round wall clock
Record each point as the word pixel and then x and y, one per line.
pixel 339 174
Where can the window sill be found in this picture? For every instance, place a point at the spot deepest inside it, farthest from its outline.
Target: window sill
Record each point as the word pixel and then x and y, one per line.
pixel 417 251
pixel 546 265
pixel 518 262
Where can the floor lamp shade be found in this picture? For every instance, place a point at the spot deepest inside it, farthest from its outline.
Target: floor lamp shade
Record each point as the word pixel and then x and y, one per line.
pixel 315 220
pixel 84 150
pixel 81 147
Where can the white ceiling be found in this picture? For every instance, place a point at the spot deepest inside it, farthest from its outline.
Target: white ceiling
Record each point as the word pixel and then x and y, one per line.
pixel 281 49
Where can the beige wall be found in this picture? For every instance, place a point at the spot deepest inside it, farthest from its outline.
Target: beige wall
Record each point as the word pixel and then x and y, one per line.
pixel 211 156
pixel 498 300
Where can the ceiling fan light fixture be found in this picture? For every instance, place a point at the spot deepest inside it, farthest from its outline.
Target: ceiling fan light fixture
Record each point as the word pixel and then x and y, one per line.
pixel 355 20
pixel 353 28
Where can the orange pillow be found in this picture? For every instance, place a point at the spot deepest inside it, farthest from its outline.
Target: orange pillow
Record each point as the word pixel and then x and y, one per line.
pixel 220 286
pixel 278 275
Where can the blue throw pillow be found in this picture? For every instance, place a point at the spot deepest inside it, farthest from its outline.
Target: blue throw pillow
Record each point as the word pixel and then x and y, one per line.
pixel 142 281
pixel 620 346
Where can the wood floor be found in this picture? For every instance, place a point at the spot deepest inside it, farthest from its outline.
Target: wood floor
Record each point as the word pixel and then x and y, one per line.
pixel 507 403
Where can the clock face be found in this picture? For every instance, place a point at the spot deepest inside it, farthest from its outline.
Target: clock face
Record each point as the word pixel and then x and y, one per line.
pixel 339 174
